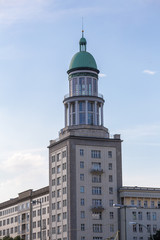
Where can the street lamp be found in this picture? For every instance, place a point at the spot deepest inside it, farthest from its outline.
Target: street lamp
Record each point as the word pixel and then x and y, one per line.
pixel 120 206
pixel 34 202
pixel 136 223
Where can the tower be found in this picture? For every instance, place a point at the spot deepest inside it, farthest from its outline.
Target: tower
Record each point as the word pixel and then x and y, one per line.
pixel 85 169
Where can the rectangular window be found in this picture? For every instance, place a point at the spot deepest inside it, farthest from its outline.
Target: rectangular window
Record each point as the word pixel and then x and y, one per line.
pixel 64 166
pixel 140 228
pixel 58 180
pixel 132 202
pixel 59 217
pixel 110 178
pixel 82 227
pixel 82 177
pixel 58 157
pixel 65 228
pixel 64 190
pixel 64 215
pixel 148 228
pixel 152 204
pixel 64 178
pixel 111 203
pixel 96 202
pixel 110 190
pixel 111 215
pixel 96 191
pixel 135 228
pixel 81 152
pixel 96 166
pixel 139 215
pixel 63 154
pixel 59 230
pixel 139 203
pixel 53 182
pixel 97 215
pixel 81 189
pixel 58 205
pixel 53 194
pixel 154 228
pixel 81 164
pixel 53 218
pixel 109 154
pixel 148 216
pixel 59 193
pixel 109 166
pixel 97 238
pixel 53 159
pixel 82 214
pixel 154 216
pixel 145 204
pixel 82 201
pixel 64 203
pixel 134 216
pixel 97 228
pixel 58 168
pixel 53 170
pixel 96 178
pixel 95 154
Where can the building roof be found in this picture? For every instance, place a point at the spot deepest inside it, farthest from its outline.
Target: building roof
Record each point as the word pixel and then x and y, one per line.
pixel 82 59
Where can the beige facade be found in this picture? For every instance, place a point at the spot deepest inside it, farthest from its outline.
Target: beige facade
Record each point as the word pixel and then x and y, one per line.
pixel 22 215
pixel 92 177
pixel 141 212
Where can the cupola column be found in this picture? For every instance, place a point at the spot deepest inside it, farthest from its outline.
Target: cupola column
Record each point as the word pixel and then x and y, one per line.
pixel 95 112
pixel 69 114
pixel 65 114
pixel 76 112
pixel 102 114
pixel 86 110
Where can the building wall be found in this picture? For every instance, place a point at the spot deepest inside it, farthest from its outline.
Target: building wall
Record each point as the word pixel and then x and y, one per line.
pixel 81 219
pixel 142 219
pixel 17 216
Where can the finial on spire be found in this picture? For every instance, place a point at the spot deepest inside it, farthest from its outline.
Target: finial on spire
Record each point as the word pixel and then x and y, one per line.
pixel 82 28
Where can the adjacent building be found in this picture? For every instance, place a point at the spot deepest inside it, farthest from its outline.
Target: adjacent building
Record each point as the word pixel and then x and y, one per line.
pixel 26 216
pixel 85 169
pixel 140 214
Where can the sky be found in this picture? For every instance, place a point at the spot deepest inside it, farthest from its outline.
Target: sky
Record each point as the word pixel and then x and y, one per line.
pixel 37 41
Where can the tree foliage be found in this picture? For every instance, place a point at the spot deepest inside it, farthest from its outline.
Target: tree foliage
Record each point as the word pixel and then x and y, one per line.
pixel 10 238
pixel 157 235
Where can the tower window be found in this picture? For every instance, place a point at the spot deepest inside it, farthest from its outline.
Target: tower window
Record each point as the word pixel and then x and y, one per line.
pixel 82 189
pixel 110 154
pixel 97 227
pixel 95 154
pixel 81 152
pixel 82 201
pixel 96 191
pixel 81 164
pixel 82 227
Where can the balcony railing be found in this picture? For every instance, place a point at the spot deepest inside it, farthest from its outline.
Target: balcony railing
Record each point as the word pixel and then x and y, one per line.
pixel 96 171
pixel 97 208
pixel 74 95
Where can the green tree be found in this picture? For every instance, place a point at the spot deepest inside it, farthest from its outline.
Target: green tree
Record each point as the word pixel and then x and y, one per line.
pixel 18 238
pixel 157 235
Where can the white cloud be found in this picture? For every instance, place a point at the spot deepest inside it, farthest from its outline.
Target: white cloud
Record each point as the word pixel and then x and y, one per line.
pixel 22 171
pixel 13 10
pixel 149 72
pixel 102 75
pixel 141 131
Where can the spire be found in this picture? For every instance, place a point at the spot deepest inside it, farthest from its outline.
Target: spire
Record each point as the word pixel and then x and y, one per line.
pixel 82 42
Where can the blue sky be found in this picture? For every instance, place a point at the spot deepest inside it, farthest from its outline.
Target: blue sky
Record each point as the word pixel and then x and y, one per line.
pixel 37 41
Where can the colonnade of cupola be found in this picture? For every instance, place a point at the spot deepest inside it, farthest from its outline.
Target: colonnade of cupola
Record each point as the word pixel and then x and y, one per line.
pixel 83 105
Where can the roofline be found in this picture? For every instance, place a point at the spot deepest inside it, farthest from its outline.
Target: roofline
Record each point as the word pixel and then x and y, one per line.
pixel 82 68
pixel 24 196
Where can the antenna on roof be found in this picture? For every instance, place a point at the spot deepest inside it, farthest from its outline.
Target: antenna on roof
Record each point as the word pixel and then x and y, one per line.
pixel 82 28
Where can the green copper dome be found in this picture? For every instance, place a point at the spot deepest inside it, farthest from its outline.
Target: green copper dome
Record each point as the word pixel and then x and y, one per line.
pixel 82 59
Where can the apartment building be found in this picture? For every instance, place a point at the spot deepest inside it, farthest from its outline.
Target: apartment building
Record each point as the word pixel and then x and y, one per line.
pixel 85 169
pixel 26 216
pixel 140 212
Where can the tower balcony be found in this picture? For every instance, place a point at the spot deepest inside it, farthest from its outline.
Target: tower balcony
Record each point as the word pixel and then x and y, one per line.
pixel 97 171
pixel 97 208
pixel 99 95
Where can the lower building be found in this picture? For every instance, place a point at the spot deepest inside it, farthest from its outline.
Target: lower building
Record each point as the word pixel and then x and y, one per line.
pixel 26 216
pixel 139 212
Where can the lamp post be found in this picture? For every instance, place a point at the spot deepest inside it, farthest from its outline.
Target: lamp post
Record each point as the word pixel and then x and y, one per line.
pixel 39 201
pixel 136 223
pixel 120 206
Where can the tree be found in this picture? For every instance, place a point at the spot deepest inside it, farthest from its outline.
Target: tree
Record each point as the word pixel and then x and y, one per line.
pixel 157 235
